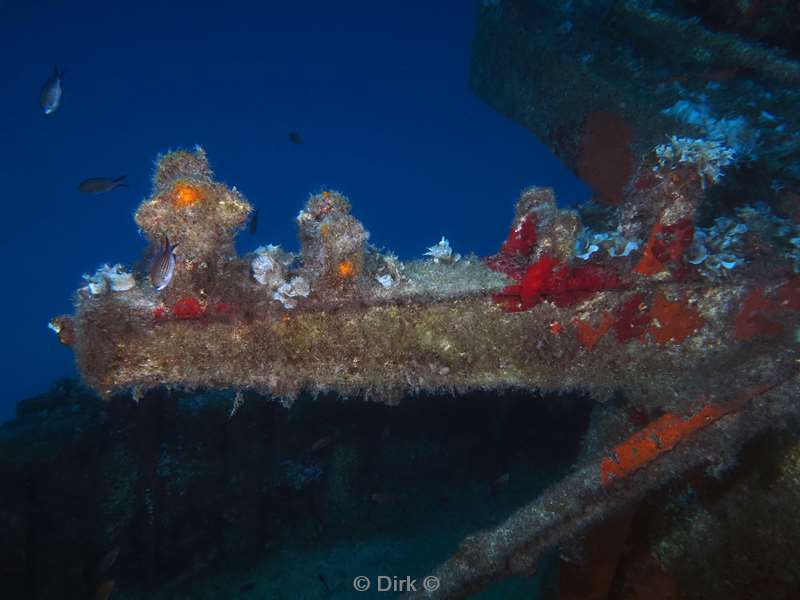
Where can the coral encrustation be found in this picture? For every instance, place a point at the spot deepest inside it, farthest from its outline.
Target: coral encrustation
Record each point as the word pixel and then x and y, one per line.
pixel 340 315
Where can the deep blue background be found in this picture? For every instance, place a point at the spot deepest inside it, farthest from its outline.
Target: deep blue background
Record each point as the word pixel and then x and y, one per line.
pixel 378 90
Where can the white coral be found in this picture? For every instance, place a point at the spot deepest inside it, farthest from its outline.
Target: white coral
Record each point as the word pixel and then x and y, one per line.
pixel 589 242
pixel 299 287
pixel 734 132
pixel 714 249
pixel 115 278
pixel 95 284
pixel 119 279
pixel 442 252
pixel 708 156
pixel 287 292
pixel 725 141
pixel 386 280
pixel 267 267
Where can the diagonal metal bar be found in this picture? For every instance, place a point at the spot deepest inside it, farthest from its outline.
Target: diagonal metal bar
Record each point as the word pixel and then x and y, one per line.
pixel 590 494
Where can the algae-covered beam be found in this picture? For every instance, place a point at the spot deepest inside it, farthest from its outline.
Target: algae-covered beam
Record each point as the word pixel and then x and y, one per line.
pixel 655 307
pixel 557 308
pixel 706 48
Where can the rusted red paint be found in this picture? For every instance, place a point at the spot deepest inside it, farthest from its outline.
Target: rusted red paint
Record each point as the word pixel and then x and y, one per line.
pixel 188 308
pixel 660 436
pixel 673 321
pixel 588 336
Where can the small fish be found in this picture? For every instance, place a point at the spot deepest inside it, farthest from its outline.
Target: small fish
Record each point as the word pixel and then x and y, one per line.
pixel 295 138
pixel 50 98
pixel 163 266
pixel 321 444
pixel 253 227
pixel 383 498
pixel 248 587
pixel 108 560
pixel 100 185
pixel 324 582
pixel 500 484
pixel 105 590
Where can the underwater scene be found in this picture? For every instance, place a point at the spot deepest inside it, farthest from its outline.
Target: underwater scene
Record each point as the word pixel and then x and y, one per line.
pixel 492 299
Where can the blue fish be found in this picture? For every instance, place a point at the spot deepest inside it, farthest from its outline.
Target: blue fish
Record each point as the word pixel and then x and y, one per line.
pixel 163 266
pixel 50 98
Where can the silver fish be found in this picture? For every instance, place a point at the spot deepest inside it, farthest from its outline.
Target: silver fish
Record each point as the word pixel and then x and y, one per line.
pixel 163 266
pixel 50 98
pixel 99 185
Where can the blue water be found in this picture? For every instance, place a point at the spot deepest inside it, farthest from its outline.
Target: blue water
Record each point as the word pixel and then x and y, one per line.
pixel 379 92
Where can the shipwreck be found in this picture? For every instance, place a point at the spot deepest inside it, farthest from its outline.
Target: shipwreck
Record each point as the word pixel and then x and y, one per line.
pixel 658 292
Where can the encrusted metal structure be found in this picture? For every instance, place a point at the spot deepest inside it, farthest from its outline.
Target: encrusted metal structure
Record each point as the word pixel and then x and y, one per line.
pixel 340 316
pixel 667 294
pixel 710 357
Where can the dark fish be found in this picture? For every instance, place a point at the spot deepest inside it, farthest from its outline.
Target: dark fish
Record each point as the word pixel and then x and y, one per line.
pixel 50 97
pixel 99 185
pixel 163 266
pixel 295 138
pixel 321 577
pixel 383 498
pixel 108 560
pixel 248 587
pixel 500 484
pixel 105 590
pixel 253 227
pixel 321 444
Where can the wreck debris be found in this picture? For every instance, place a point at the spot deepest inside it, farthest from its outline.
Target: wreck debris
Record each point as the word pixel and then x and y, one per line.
pixel 643 76
pixel 721 49
pixel 601 488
